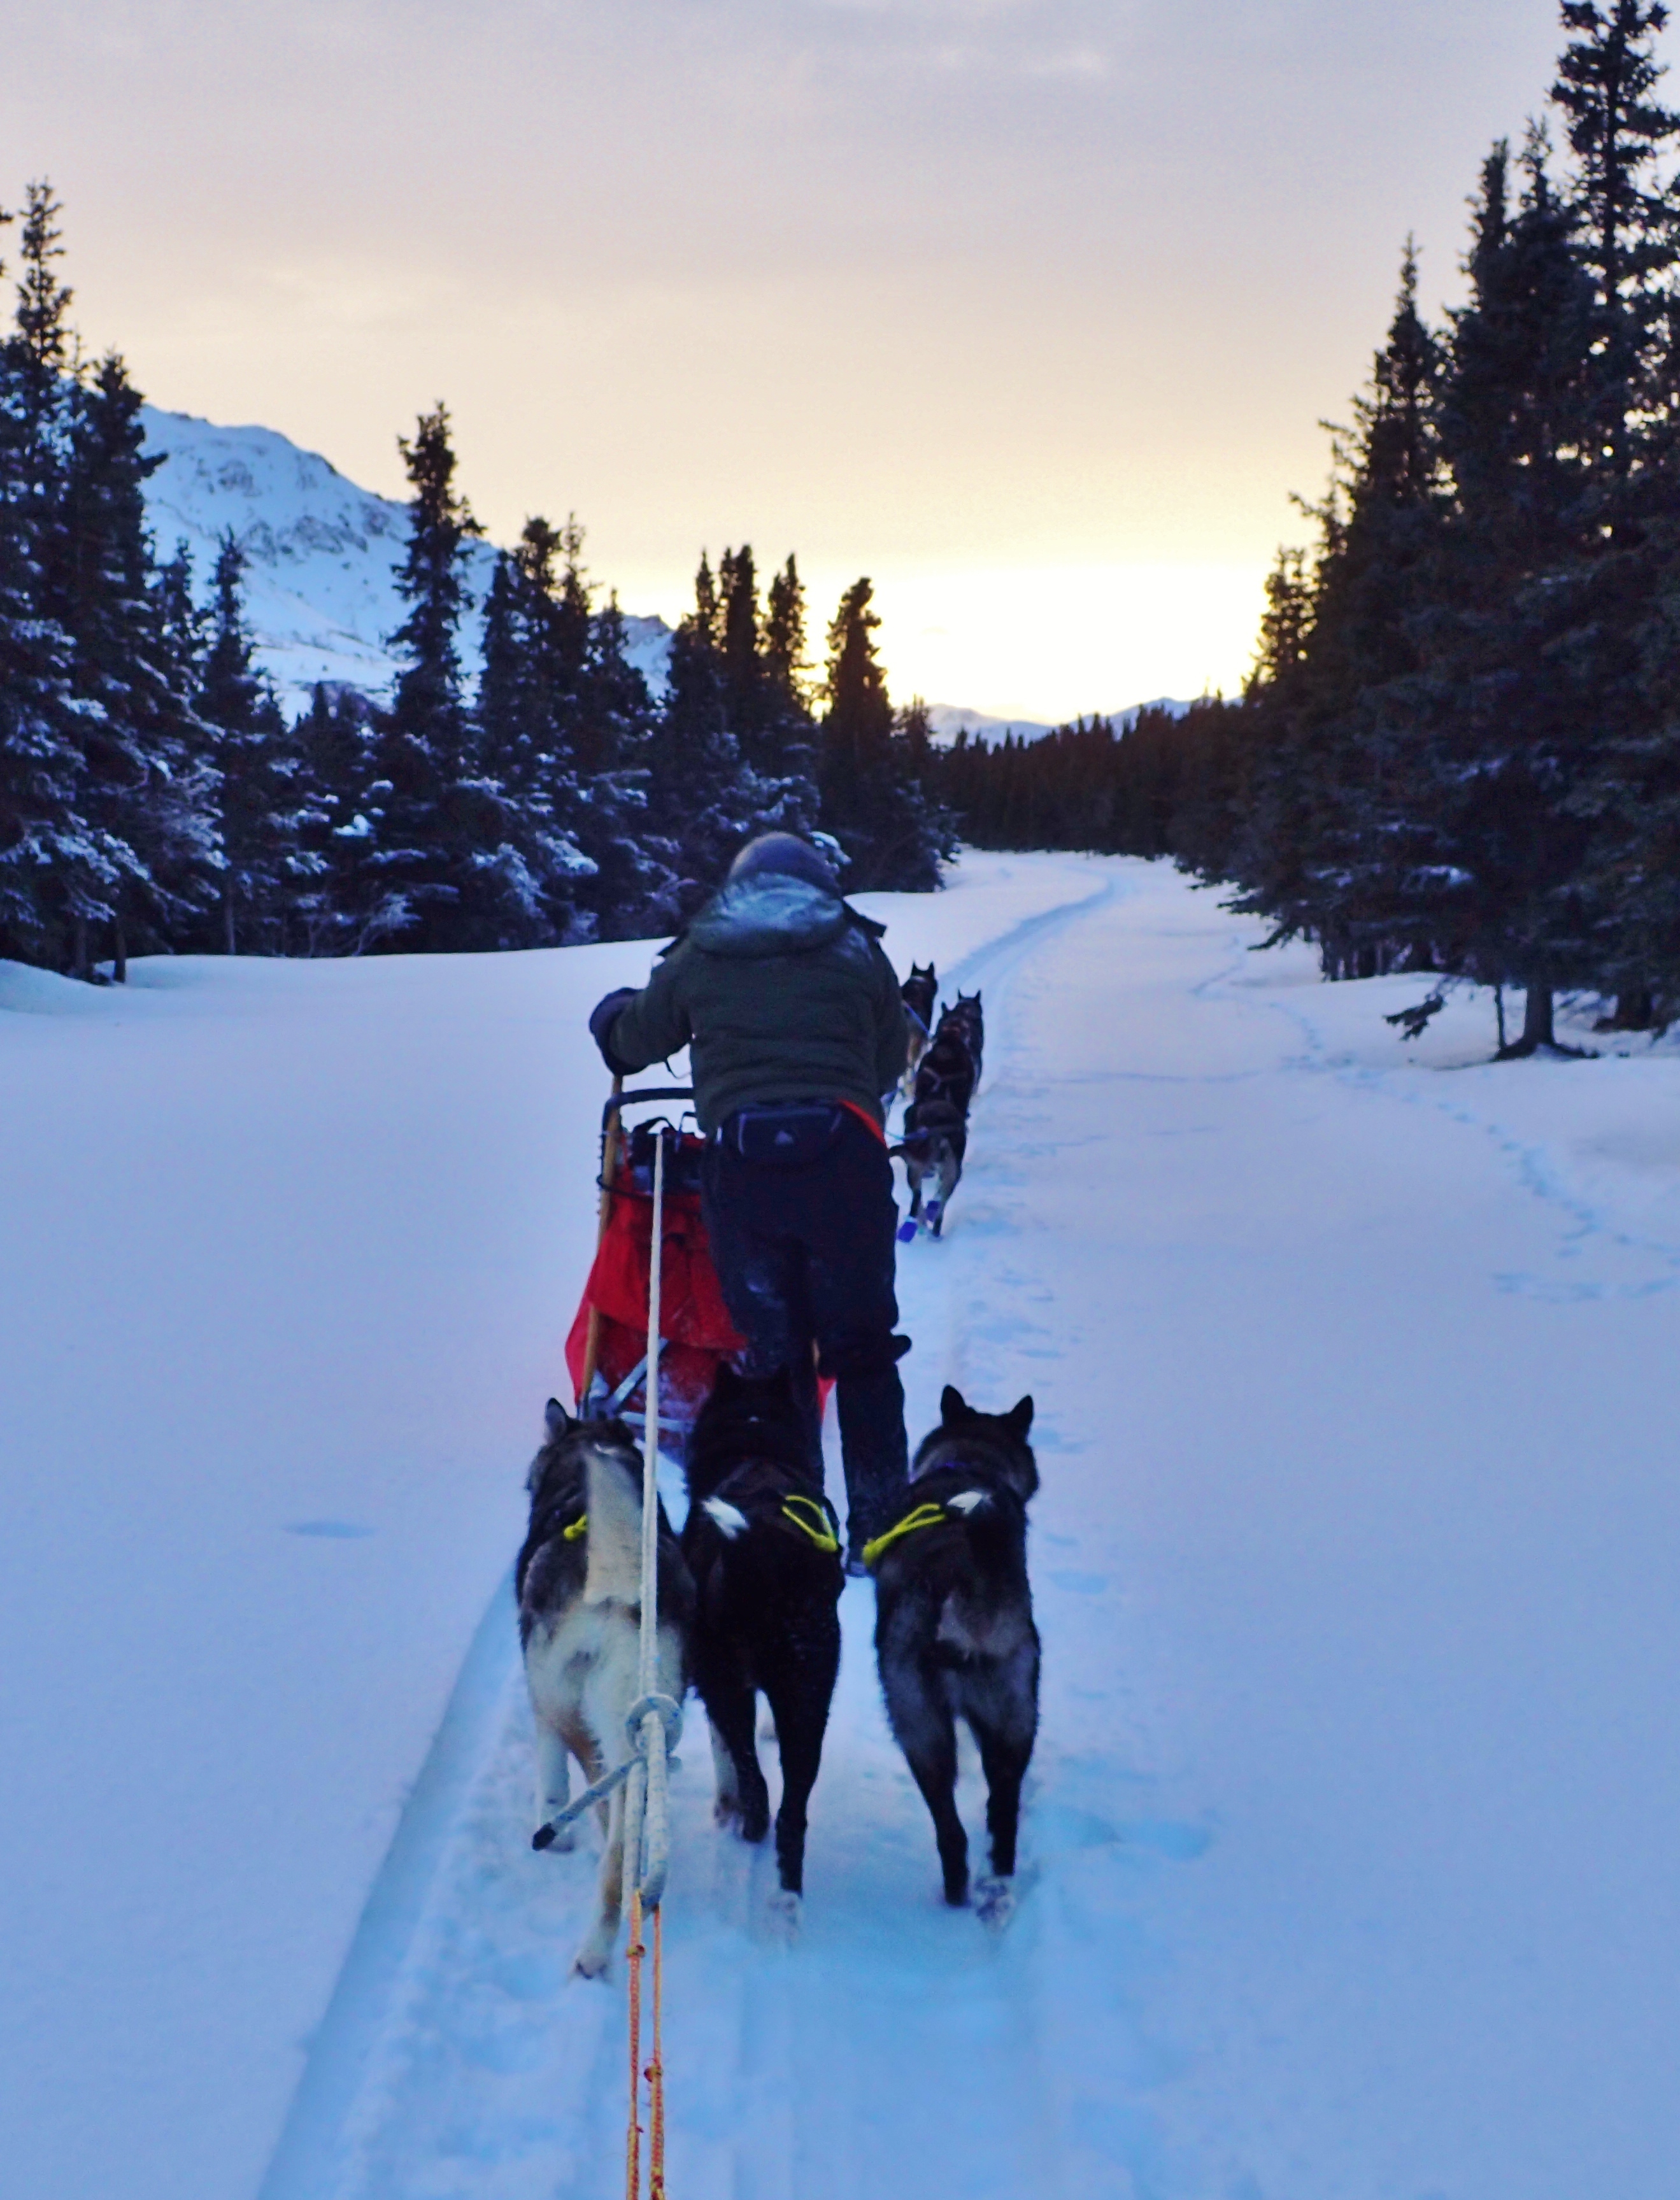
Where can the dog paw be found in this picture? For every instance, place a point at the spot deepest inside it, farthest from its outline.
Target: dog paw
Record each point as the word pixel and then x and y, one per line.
pixel 782 1913
pixel 994 1902
pixel 590 1963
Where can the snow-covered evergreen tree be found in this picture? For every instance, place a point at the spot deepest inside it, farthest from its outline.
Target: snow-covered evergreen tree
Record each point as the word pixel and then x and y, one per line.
pixel 260 794
pixel 872 801
pixel 148 781
pixel 43 838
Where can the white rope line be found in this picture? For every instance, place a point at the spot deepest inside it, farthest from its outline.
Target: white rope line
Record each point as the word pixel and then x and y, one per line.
pixel 647 1812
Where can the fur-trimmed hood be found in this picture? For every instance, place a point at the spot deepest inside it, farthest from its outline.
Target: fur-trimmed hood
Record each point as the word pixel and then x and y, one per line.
pixel 774 914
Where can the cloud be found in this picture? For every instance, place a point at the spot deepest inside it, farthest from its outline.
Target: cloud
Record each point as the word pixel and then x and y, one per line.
pixel 1077 61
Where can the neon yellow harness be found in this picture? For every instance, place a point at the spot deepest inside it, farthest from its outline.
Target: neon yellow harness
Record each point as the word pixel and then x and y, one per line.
pixel 794 1508
pixel 924 1516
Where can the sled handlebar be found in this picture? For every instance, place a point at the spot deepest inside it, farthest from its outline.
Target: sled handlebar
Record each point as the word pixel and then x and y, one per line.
pixel 620 1101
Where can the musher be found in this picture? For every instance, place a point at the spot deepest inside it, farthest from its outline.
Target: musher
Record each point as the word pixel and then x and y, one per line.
pixel 796 1028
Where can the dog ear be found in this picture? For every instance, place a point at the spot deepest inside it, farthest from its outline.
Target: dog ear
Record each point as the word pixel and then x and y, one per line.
pixel 556 1417
pixel 1020 1416
pixel 953 1406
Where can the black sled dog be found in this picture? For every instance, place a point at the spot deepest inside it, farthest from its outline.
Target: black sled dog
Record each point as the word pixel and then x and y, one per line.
pixel 936 1123
pixel 954 1635
pixel 763 1545
pixel 920 990
pixel 578 1581
pixel 965 1018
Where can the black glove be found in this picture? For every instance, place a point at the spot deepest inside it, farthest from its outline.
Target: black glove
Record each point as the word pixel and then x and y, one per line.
pixel 606 1014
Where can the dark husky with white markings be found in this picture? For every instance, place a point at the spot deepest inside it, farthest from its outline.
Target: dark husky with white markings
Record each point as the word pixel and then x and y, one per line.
pixel 954 1635
pixel 578 1581
pixel 763 1545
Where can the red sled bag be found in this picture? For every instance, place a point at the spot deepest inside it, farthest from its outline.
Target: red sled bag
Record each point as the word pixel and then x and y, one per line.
pixel 695 1330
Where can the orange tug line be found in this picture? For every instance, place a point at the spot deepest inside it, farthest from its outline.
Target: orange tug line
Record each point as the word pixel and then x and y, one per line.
pixel 656 2076
pixel 633 2136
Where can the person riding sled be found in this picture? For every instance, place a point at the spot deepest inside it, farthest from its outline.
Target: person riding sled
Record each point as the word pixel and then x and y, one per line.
pixel 795 1026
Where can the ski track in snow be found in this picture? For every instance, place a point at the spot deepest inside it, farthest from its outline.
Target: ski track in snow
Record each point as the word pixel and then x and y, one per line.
pixel 1536 1165
pixel 457 2056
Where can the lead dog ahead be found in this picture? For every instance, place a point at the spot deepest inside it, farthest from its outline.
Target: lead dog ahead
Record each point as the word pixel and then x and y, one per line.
pixel 578 1581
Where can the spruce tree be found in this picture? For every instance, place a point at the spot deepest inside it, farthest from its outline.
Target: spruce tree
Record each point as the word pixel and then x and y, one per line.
pixel 872 801
pixel 148 774
pixel 747 702
pixel 632 892
pixel 408 891
pixel 1336 848
pixel 1616 131
pixel 784 643
pixel 443 869
pixel 335 749
pixel 259 796
pixel 536 648
pixel 45 841
pixel 1518 431
pixel 1618 647
pixel 697 767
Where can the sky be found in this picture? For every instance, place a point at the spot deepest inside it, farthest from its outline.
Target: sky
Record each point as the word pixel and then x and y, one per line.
pixel 1027 309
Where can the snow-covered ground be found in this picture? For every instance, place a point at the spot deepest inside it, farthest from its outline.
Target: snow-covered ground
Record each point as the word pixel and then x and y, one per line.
pixel 1348 1863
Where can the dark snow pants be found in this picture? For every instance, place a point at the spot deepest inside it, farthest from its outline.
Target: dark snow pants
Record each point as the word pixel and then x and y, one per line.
pixel 804 1253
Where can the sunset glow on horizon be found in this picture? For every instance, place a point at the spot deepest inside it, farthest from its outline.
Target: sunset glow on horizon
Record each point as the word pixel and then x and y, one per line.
pixel 1023 308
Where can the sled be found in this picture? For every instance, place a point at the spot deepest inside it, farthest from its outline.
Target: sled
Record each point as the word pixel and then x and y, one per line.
pixel 606 1351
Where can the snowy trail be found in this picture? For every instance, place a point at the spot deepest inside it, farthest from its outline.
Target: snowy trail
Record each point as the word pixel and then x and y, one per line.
pixel 1347 1859
pixel 456 2056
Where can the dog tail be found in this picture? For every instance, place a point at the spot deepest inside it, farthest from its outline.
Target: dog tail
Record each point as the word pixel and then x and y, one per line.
pixel 614 1575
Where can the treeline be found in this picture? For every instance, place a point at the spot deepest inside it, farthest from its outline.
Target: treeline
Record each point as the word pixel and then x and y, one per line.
pixel 1155 785
pixel 1460 749
pixel 153 796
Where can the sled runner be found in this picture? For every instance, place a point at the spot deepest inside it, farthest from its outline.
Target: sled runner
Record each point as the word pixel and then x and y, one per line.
pixel 607 1352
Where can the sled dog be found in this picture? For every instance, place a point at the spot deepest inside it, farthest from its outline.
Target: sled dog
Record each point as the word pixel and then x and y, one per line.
pixel 954 1634
pixel 936 1123
pixel 964 1017
pixel 763 1545
pixel 920 990
pixel 578 1581
pixel 935 1141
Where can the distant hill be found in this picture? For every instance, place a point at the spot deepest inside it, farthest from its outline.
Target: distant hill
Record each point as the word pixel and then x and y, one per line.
pixel 321 586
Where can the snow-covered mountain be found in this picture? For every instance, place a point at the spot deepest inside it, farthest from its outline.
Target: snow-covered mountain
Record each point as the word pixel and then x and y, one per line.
pixel 321 584
pixel 947 720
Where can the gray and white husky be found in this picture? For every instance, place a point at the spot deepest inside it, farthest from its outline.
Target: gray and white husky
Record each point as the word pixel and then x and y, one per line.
pixel 579 1585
